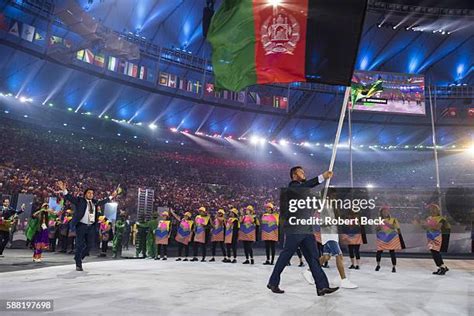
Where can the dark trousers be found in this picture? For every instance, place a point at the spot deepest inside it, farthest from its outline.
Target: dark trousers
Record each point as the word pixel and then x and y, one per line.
pixel 307 244
pixel 104 246
pixel 84 239
pixel 165 250
pixel 378 257
pixel 232 247
pixel 248 249
pixel 203 249
pixel 180 250
pixel 214 246
pixel 270 247
pixel 4 237
pixel 354 250
pixel 437 258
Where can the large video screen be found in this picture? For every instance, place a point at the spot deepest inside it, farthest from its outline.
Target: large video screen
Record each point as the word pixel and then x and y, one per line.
pixel 388 92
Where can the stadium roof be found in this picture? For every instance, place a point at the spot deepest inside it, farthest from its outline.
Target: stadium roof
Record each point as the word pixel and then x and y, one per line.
pixel 438 43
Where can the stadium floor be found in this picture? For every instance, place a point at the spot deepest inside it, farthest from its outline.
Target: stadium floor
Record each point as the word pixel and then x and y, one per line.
pixel 174 288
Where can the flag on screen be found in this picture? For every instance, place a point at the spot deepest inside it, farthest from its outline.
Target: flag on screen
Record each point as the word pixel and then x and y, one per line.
pixel 172 79
pixel 135 71
pixel 197 87
pixel 209 89
pixel 55 40
pixel 14 29
pixel 189 86
pixel 241 97
pixel 99 60
pixel 122 66
pixel 470 113
pixel 4 22
pixel 130 69
pixel 27 32
pixel 182 84
pixel 450 112
pixel 113 64
pixel 142 74
pixel 88 56
pixel 280 102
pixel 67 43
pixel 80 54
pixel 40 36
pixel 164 78
pixel 260 41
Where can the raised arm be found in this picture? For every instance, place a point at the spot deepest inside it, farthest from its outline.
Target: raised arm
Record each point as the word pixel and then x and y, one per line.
pixel 67 196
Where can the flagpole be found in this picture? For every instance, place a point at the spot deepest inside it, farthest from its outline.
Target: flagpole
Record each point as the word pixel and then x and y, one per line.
pixel 349 120
pixel 435 149
pixel 338 136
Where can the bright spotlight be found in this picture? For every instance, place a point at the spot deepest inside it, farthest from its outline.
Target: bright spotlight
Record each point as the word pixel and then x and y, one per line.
pixel 152 126
pixel 283 142
pixel 470 149
pixel 369 186
pixel 274 2
pixel 254 140
pixel 22 99
pixel 305 144
pixel 262 141
pixel 174 129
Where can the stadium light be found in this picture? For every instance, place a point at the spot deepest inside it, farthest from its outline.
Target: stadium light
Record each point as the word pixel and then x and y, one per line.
pixel 470 149
pixel 174 129
pixel 22 99
pixel 369 186
pixel 283 142
pixel 254 140
pixel 152 126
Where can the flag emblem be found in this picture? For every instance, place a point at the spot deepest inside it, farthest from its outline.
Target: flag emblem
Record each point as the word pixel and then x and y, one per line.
pixel 282 35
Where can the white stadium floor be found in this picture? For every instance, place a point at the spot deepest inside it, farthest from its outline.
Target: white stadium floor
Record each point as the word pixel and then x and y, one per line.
pixel 139 287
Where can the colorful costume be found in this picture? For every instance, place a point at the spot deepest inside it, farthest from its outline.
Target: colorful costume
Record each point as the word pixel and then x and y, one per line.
pixel 270 226
pixel 217 234
pixel 248 233
pixel 105 234
pixel 184 234
pixel 388 239
pixel 162 236
pixel 118 237
pixel 437 233
pixel 202 229
pixel 231 236
pixel 41 240
pixel 150 238
pixel 53 224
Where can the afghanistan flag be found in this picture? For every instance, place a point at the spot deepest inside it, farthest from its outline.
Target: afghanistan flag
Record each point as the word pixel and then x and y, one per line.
pixel 263 41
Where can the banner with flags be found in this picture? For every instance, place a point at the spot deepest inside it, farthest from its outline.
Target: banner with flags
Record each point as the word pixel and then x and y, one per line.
pixel 27 32
pixel 80 54
pixel 163 79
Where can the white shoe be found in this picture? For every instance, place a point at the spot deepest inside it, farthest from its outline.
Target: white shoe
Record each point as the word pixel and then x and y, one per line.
pixel 347 284
pixel 336 281
pixel 37 260
pixel 308 277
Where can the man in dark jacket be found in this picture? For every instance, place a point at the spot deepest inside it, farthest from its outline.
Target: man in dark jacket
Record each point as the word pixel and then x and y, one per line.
pixel 84 219
pixel 302 238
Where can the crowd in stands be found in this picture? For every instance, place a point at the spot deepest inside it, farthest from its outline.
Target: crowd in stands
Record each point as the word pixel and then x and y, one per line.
pixel 34 158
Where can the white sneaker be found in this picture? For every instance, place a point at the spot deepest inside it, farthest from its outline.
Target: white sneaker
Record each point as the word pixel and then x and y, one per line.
pixel 308 277
pixel 347 284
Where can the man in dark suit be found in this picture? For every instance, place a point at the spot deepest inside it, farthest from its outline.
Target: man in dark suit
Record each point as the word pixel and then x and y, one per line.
pixel 84 220
pixel 302 238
